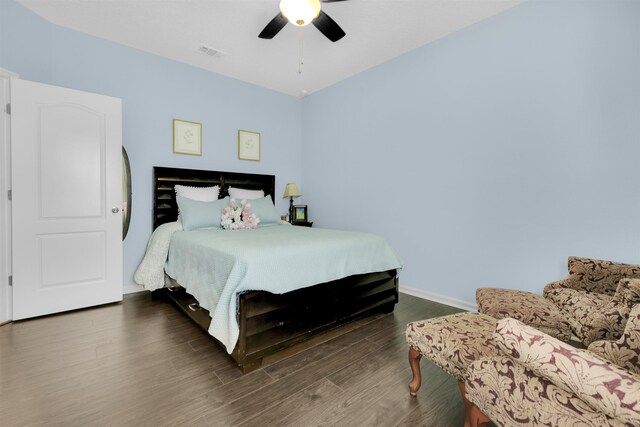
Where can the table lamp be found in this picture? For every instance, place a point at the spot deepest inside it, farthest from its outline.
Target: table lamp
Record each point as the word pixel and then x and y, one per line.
pixel 291 190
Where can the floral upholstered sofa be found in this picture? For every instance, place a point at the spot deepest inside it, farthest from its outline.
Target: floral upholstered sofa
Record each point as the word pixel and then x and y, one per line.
pixel 538 380
pixel 512 373
pixel 596 297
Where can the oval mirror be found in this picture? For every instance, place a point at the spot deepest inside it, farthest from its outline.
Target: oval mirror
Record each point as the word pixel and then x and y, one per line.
pixel 126 193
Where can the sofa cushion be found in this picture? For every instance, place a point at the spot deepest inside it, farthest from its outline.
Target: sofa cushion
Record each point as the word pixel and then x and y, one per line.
pixel 571 299
pixel 592 316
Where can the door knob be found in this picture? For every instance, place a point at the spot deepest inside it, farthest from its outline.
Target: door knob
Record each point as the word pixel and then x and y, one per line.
pixel 115 210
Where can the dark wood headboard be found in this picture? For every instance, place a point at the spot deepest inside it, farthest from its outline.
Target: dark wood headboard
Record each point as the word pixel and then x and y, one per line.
pixel 165 208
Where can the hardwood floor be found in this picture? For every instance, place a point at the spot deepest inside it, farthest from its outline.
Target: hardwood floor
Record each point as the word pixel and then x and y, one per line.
pixel 141 362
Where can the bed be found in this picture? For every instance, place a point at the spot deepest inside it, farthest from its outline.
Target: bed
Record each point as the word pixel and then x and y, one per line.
pixel 269 323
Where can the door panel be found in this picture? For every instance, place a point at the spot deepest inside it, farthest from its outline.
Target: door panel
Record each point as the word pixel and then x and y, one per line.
pixel 72 258
pixel 71 146
pixel 66 176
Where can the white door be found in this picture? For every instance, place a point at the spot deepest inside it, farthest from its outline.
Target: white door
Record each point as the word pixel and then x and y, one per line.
pixel 67 196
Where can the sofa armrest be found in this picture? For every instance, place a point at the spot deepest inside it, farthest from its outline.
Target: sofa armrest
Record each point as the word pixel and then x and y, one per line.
pixel 558 284
pixel 602 386
pixel 633 324
pixel 567 283
pixel 624 352
pixel 511 395
pixel 627 292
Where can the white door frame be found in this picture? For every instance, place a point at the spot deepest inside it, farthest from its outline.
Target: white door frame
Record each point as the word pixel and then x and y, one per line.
pixel 6 303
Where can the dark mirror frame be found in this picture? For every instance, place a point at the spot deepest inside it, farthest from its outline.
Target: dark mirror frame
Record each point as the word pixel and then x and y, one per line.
pixel 126 193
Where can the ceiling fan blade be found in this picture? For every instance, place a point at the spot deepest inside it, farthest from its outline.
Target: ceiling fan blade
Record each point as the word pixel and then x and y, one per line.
pixel 328 27
pixel 273 27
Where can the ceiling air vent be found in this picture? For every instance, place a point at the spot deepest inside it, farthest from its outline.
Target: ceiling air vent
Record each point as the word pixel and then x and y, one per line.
pixel 209 50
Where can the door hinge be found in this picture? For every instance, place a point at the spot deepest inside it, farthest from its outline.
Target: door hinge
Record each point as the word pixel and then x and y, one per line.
pixel 8 109
pixel 9 195
pixel 10 280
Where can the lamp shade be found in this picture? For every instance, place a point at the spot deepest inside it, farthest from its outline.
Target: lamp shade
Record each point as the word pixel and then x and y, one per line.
pixel 300 12
pixel 291 190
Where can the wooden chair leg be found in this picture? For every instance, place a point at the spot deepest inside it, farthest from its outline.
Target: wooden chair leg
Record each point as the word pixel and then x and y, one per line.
pixel 473 415
pixel 414 362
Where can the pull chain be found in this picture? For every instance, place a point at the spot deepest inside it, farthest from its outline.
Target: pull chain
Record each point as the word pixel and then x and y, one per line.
pixel 301 50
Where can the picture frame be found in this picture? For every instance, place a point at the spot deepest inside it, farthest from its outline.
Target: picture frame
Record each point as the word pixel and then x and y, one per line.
pixel 300 213
pixel 248 145
pixel 187 137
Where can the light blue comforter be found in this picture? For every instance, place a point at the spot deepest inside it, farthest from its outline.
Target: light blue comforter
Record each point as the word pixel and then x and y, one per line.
pixel 215 265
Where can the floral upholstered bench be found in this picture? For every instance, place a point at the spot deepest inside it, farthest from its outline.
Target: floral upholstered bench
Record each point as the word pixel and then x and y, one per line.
pixel 452 342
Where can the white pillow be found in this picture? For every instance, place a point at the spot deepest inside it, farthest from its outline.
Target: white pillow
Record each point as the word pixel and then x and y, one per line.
pixel 201 194
pixel 242 194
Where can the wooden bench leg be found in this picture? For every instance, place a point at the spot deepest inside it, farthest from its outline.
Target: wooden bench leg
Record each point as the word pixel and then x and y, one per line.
pixel 414 362
pixel 473 415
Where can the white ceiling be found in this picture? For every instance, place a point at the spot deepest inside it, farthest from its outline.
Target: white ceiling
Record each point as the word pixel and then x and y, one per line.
pixel 377 30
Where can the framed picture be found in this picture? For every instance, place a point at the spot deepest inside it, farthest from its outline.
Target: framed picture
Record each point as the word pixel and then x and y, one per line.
pixel 300 213
pixel 248 145
pixel 187 137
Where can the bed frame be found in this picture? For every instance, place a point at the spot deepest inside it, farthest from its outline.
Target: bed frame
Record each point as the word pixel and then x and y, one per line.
pixel 270 323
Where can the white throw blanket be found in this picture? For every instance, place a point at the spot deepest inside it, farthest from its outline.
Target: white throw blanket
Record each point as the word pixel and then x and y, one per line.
pixel 150 272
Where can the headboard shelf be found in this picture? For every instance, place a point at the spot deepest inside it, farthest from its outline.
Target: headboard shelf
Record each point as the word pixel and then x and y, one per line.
pixel 165 208
pixel 189 180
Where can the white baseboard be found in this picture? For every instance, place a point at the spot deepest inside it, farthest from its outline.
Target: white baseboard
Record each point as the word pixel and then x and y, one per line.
pixel 132 289
pixel 442 299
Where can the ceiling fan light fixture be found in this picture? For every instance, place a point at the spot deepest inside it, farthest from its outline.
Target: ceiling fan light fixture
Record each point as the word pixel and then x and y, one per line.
pixel 300 12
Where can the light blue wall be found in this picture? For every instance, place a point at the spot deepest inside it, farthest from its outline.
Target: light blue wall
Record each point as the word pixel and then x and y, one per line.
pixel 155 90
pixel 485 158
pixel 25 42
pixel 488 157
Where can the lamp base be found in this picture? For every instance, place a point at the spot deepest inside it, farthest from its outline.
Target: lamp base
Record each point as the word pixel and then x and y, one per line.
pixel 291 209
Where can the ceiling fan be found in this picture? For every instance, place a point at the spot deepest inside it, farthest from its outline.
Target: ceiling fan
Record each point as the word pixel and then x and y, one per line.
pixel 301 13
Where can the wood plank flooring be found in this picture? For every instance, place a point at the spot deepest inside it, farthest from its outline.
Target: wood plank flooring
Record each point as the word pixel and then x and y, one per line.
pixel 141 362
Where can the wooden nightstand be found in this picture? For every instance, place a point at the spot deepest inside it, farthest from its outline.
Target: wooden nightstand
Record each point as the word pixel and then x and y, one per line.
pixel 302 223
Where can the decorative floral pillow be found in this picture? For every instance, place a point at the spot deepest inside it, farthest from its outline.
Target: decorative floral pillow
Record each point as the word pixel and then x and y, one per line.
pixel 238 216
